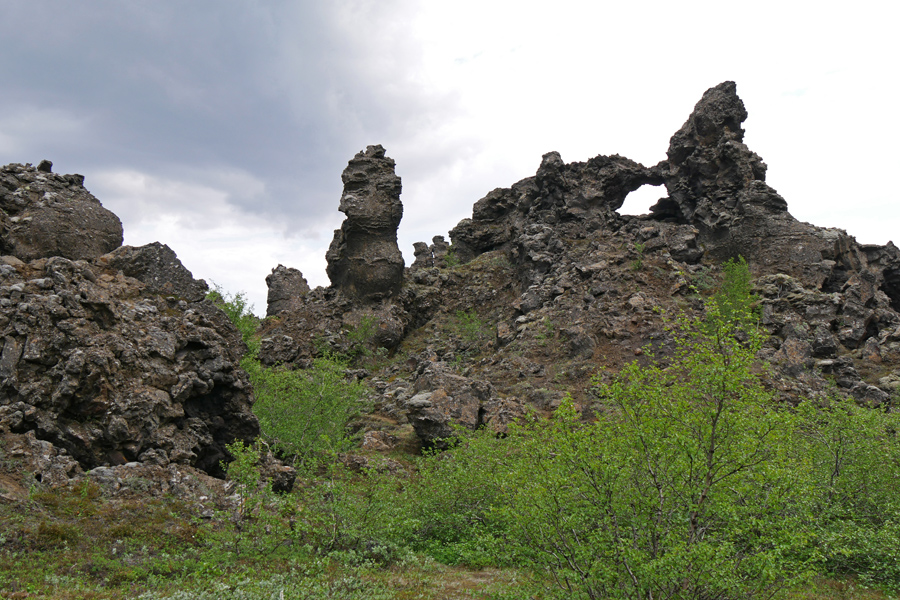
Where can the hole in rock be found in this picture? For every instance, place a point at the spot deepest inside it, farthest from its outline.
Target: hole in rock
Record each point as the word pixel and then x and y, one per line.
pixel 640 200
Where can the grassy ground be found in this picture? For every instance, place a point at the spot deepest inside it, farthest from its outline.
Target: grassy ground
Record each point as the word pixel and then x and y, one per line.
pixel 74 543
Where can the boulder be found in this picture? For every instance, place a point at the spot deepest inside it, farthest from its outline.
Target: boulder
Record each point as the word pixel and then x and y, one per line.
pixel 43 214
pixel 158 267
pixel 105 368
pixel 444 400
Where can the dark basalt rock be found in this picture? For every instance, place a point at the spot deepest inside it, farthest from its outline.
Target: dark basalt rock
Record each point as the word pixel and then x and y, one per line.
pixel 364 261
pixel 717 184
pixel 443 400
pixel 711 175
pixel 105 367
pixel 434 255
pixel 572 198
pixel 158 267
pixel 286 285
pixel 43 214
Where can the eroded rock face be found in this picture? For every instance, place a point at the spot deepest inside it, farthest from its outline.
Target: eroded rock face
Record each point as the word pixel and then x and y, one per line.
pixel 717 184
pixel 572 198
pixel 43 214
pixel 364 261
pixel 103 366
pixel 158 267
pixel 711 175
pixel 286 286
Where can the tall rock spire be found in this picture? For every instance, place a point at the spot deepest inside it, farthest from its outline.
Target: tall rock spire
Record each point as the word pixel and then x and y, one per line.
pixel 712 176
pixel 364 261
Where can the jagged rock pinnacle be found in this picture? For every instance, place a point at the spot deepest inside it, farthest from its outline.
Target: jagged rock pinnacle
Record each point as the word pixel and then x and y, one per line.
pixel 364 261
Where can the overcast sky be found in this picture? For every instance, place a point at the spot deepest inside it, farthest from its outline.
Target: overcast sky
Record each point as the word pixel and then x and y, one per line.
pixel 221 127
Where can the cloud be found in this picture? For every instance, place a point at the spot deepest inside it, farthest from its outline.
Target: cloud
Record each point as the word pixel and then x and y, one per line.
pixel 210 235
pixel 199 201
pixel 24 130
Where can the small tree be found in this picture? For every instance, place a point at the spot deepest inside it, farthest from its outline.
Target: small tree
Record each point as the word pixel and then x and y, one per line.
pixel 304 414
pixel 257 515
pixel 684 490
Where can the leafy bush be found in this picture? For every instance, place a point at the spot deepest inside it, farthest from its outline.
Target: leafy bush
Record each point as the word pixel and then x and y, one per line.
pixel 304 414
pixel 638 263
pixel 854 454
pixel 469 326
pixel 239 312
pixel 258 517
pixel 734 298
pixel 684 491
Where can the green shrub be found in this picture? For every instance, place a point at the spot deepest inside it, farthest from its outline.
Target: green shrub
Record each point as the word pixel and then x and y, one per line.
pixel 257 518
pixel 304 414
pixel 854 455
pixel 239 312
pixel 685 490
pixel 638 263
pixel 734 298
pixel 469 326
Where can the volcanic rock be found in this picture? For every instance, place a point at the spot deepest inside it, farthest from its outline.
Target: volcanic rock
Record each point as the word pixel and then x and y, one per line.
pixel 158 267
pixel 444 399
pixel 43 214
pixel 100 365
pixel 364 261
pixel 286 285
pixel 570 198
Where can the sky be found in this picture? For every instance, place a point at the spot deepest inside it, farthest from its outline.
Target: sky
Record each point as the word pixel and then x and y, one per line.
pixel 221 127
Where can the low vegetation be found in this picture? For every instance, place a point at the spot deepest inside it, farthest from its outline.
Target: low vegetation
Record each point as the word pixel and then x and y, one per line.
pixel 691 480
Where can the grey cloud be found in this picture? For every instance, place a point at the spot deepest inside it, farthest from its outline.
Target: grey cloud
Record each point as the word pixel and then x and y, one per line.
pixel 287 91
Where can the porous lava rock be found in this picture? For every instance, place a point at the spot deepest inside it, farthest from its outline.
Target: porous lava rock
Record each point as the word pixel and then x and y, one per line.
pixel 444 399
pixel 364 261
pixel 105 368
pixel 159 268
pixel 717 184
pixel 571 198
pixel 286 285
pixel 43 214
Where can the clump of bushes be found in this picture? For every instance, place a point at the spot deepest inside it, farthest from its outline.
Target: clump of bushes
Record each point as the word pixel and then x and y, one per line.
pixel 693 481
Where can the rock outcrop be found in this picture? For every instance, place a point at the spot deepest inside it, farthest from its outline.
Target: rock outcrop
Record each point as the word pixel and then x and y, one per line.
pixel 103 366
pixel 444 399
pixel 286 286
pixel 43 214
pixel 572 198
pixel 364 261
pixel 717 184
pixel 158 267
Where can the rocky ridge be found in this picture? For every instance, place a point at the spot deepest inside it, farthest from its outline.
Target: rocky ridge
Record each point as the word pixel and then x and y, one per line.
pixel 113 360
pixel 561 286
